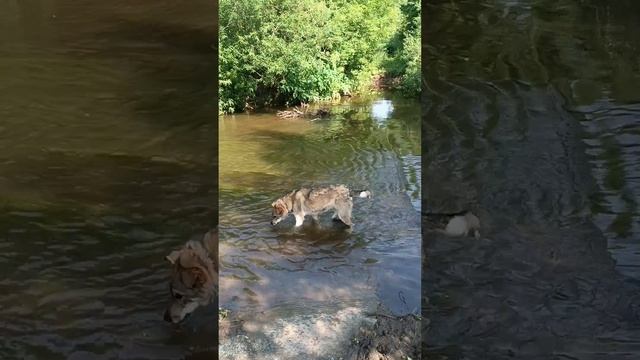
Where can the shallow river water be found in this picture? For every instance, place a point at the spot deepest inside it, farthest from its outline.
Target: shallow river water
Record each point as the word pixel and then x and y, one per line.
pixel 279 274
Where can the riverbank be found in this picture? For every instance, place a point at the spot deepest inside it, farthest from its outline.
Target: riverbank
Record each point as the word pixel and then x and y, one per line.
pixel 389 337
pixel 348 334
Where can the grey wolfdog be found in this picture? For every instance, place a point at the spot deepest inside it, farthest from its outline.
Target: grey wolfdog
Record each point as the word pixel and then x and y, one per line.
pixel 194 276
pixel 314 201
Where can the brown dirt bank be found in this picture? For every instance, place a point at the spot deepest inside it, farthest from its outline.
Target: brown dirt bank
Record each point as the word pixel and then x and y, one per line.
pixel 389 338
pixel 376 336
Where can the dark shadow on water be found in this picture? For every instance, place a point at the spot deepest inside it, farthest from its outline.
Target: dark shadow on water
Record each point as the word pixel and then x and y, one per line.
pixel 527 106
pixel 100 243
pixel 173 83
pixel 109 164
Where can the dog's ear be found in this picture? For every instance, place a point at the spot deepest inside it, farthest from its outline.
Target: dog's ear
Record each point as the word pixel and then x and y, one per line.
pixel 173 257
pixel 280 207
pixel 211 238
pixel 210 241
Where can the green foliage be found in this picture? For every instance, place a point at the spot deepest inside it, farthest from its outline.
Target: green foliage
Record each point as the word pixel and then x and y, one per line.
pixel 275 52
pixel 404 50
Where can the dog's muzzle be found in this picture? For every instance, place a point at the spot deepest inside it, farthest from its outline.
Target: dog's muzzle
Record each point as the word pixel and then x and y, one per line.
pixel 167 317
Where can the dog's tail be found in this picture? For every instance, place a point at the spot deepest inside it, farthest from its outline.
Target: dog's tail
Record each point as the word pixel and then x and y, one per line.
pixel 360 193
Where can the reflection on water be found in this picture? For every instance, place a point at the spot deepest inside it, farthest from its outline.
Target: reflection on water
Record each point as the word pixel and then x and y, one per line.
pixel 106 164
pixel 612 136
pixel 381 110
pixel 532 119
pixel 284 273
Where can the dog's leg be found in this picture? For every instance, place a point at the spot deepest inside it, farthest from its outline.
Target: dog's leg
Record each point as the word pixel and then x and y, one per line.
pixel 298 212
pixel 344 211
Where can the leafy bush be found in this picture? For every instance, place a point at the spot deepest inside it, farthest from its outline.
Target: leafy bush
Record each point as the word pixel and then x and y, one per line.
pixel 275 52
pixel 404 61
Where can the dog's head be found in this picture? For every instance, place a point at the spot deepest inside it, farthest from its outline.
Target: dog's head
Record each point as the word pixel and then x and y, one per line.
pixel 193 280
pixel 279 211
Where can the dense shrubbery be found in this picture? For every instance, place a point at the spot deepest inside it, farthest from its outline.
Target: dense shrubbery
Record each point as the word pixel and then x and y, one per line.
pixel 276 52
pixel 405 50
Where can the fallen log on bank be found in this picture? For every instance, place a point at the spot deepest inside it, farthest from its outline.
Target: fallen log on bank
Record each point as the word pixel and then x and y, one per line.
pixel 302 111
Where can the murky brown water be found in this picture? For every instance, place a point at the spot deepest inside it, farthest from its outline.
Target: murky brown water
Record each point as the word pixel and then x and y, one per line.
pixel 532 119
pixel 107 138
pixel 282 273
